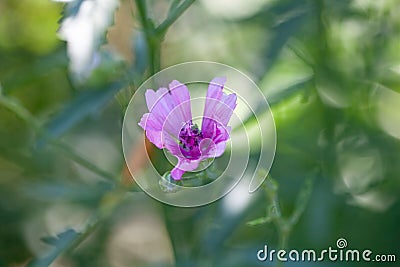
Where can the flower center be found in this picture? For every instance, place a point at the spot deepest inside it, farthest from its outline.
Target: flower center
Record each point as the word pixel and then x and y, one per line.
pixel 190 137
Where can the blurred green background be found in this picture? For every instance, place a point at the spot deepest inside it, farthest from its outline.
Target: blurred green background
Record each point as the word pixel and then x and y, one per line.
pixel 329 69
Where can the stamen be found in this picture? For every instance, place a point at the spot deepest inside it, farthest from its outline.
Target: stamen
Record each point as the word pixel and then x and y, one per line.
pixel 190 137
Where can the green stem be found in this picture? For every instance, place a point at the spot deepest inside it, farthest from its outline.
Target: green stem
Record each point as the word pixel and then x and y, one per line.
pixel 170 229
pixel 19 110
pixel 302 199
pixel 154 36
pixel 173 15
pixel 284 233
pixel 152 39
pixel 285 225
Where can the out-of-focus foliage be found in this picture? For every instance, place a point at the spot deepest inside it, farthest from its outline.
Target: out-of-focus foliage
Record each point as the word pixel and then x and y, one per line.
pixel 330 70
pixel 22 29
pixel 83 28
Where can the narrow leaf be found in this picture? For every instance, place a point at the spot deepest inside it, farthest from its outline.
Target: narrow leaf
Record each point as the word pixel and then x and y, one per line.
pixel 61 243
pixel 83 104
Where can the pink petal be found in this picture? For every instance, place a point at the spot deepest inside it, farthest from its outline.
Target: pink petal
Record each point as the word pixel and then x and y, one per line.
pixel 151 128
pixel 221 134
pixel 155 138
pixel 173 123
pixel 230 100
pixel 143 120
pixel 151 98
pixel 214 93
pixel 180 94
pixel 177 173
pixel 173 107
pixel 169 110
pixel 218 108
pixel 220 149
pixel 183 166
pixel 207 148
pixel 171 144
pixel 227 109
pixel 221 110
pixel 215 87
pixel 162 104
pixel 214 150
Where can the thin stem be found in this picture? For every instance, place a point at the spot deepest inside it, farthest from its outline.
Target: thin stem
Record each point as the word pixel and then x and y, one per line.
pixel 153 41
pixel 285 225
pixel 302 200
pixel 19 110
pixel 174 4
pixel 169 227
pixel 142 9
pixel 284 233
pixel 173 15
pixel 154 36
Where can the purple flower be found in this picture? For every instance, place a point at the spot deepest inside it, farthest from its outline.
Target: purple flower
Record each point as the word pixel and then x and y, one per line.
pixel 169 124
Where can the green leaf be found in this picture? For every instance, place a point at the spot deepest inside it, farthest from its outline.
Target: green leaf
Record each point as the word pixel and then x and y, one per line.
pixel 82 105
pixel 282 20
pixel 56 191
pixel 275 98
pixel 291 90
pixel 30 72
pixel 50 240
pixel 61 243
pixel 287 22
